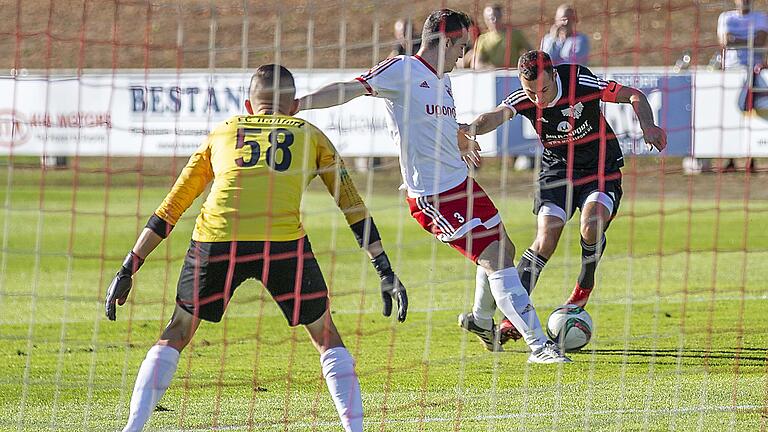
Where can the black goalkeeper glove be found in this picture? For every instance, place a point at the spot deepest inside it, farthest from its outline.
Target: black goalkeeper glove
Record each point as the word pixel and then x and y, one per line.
pixel 391 287
pixel 121 285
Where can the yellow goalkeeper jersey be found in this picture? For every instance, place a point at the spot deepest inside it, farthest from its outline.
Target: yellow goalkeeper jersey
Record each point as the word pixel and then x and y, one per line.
pixel 260 166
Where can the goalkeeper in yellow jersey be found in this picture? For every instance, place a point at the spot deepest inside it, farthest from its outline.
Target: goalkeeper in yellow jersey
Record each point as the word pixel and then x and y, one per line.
pixel 249 227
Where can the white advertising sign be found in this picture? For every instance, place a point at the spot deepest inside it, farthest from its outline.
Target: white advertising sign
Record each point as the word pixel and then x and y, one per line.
pixel 161 113
pixel 169 114
pixel 721 128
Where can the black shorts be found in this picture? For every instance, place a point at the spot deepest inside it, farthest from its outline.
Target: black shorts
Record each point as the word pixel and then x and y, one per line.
pixel 209 277
pixel 553 188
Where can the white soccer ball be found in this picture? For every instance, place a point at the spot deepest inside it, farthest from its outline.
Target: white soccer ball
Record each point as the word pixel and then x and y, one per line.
pixel 570 326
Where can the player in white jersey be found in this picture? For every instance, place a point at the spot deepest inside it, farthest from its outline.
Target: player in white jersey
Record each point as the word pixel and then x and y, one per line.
pixel 441 196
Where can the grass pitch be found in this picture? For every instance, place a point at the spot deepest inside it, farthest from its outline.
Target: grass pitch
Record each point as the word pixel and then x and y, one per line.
pixel 679 309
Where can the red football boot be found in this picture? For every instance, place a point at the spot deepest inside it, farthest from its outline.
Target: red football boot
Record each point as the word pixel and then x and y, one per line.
pixel 507 332
pixel 579 296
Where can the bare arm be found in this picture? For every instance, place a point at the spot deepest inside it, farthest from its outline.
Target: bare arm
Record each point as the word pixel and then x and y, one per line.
pixel 489 121
pixel 652 134
pixel 337 93
pixel 146 243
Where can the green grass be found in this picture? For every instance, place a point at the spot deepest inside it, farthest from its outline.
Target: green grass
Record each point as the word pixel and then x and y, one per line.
pixel 680 338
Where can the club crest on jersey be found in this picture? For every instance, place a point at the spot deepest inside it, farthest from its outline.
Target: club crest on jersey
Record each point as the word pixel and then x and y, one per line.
pixel 424 84
pixel 573 111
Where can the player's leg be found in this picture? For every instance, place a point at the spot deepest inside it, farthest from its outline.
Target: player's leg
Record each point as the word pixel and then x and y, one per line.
pixel 551 216
pixel 200 281
pixel 513 300
pixel 550 222
pixel 453 216
pixel 338 368
pixel 158 368
pixel 533 260
pixel 292 261
pixel 508 292
pixel 596 214
pixel 552 210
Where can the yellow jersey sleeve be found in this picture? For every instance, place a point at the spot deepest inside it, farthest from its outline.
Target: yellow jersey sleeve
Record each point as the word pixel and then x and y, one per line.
pixel 189 185
pixel 332 172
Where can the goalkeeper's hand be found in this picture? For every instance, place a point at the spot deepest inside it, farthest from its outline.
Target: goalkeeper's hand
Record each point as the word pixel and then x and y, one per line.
pixel 391 288
pixel 118 290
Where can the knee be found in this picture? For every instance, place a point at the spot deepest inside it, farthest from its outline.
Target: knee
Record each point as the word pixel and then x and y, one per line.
pixel 590 232
pixel 324 334
pixel 177 335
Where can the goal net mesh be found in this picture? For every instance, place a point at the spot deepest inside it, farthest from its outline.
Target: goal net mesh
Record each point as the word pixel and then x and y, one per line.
pixel 104 101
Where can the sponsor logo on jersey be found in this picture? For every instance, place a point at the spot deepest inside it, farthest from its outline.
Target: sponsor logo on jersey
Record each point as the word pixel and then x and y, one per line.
pixel 573 111
pixel 569 134
pixel 564 126
pixel 440 110
pixel 424 84
pixel 542 120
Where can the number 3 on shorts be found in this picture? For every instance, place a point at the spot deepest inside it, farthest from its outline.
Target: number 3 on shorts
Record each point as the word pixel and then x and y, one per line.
pixel 459 217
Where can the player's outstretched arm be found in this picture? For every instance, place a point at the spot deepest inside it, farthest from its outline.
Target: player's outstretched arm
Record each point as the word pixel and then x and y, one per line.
pixel 189 185
pixel 488 121
pixel 337 93
pixel 653 135
pixel 118 290
pixel 344 192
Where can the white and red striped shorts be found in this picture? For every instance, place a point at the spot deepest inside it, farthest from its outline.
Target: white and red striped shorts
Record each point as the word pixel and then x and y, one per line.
pixel 464 217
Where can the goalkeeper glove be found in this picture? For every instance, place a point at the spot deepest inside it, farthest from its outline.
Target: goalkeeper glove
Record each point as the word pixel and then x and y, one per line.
pixel 121 284
pixel 391 287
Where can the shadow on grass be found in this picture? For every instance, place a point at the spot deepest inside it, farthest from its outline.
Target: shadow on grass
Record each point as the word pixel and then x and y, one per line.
pixel 747 356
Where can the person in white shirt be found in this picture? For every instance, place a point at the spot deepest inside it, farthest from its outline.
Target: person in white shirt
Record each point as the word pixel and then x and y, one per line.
pixel 742 35
pixel 441 196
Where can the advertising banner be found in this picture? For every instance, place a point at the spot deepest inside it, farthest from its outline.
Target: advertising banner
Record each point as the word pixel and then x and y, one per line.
pixel 162 113
pixel 722 128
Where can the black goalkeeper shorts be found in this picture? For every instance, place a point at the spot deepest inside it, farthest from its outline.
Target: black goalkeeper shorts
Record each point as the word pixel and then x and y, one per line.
pixel 288 269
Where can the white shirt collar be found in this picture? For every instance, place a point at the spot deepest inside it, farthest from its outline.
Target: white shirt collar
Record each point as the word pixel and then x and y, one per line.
pixel 559 90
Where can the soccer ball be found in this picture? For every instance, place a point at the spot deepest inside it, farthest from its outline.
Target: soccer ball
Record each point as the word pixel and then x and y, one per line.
pixel 570 326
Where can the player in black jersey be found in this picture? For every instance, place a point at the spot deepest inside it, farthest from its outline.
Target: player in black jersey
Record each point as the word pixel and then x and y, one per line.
pixel 580 166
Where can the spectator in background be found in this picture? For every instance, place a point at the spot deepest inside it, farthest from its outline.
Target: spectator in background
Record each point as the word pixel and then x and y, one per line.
pixel 742 35
pixel 563 43
pixel 406 40
pixel 501 45
pixel 737 30
pixel 474 34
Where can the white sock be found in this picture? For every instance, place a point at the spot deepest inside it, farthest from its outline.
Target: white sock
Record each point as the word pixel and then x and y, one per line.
pixel 339 372
pixel 484 306
pixel 514 302
pixel 154 377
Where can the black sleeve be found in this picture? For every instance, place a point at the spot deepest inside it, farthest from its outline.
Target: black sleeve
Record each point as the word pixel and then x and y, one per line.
pixel 159 226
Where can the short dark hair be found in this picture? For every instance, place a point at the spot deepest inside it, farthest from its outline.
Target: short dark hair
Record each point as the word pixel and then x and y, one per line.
pixel 443 21
pixel 532 63
pixel 272 76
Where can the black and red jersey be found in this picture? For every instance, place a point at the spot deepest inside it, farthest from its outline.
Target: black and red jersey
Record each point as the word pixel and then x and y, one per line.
pixel 573 122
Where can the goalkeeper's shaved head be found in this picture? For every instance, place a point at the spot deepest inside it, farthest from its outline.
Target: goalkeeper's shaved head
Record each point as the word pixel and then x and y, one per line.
pixel 272 89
